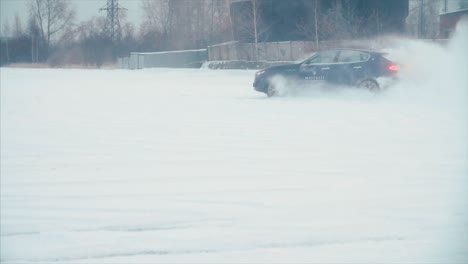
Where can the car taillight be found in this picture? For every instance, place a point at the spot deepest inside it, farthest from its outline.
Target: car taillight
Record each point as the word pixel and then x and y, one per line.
pixel 393 68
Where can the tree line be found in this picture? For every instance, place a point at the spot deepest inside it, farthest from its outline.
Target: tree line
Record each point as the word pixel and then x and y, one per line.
pixel 51 33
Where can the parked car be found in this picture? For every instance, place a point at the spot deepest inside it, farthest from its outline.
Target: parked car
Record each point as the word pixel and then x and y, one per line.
pixel 351 67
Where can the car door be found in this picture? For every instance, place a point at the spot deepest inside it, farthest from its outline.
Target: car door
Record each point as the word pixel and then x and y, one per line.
pixel 320 67
pixel 351 66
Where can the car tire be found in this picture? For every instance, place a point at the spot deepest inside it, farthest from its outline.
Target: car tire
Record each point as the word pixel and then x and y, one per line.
pixel 271 90
pixel 369 84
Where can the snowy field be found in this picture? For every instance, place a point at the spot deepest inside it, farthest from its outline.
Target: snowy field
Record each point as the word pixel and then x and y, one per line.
pixel 193 166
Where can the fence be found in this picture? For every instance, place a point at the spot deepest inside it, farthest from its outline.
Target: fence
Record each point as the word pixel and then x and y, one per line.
pixel 266 51
pixel 169 59
pixel 273 51
pixel 236 51
pixel 290 50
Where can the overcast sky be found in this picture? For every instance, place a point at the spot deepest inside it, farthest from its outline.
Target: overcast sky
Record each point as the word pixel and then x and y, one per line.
pixel 85 9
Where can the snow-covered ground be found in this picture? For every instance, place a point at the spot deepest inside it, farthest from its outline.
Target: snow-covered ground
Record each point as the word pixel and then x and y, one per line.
pixel 117 166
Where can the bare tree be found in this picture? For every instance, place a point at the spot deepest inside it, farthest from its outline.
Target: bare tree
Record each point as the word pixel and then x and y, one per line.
pixel 18 27
pixel 95 45
pixel 431 14
pixel 51 17
pixel 182 24
pixel 220 29
pixel 423 18
pixel 412 21
pixel 251 26
pixel 6 29
pixel 231 24
pixel 336 24
pixel 308 27
pixel 157 23
pixel 157 15
pixel 209 22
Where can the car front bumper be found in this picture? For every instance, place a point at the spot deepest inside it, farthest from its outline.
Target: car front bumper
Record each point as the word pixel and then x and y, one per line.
pixel 259 84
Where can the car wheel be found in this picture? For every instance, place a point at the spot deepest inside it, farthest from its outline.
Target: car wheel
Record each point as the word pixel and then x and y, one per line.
pixel 271 90
pixel 370 85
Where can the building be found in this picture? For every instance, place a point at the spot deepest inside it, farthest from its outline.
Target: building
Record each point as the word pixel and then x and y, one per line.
pixel 281 20
pixel 449 20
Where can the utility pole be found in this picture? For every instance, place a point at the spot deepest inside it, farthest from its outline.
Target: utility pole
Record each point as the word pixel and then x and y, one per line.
pixel 7 50
pixel 228 2
pixel 112 26
pixel 255 28
pixel 37 50
pixel 421 19
pixel 316 25
pixel 32 49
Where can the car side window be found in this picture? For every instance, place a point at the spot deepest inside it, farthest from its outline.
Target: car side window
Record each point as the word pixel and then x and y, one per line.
pixel 349 56
pixel 324 57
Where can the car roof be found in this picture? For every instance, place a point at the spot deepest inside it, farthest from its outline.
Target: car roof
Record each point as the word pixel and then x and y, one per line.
pixel 354 49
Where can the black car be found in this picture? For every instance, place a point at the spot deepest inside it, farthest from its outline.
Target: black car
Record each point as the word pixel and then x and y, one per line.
pixel 352 67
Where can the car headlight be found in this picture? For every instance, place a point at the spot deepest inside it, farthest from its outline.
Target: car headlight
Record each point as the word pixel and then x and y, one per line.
pixel 260 72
